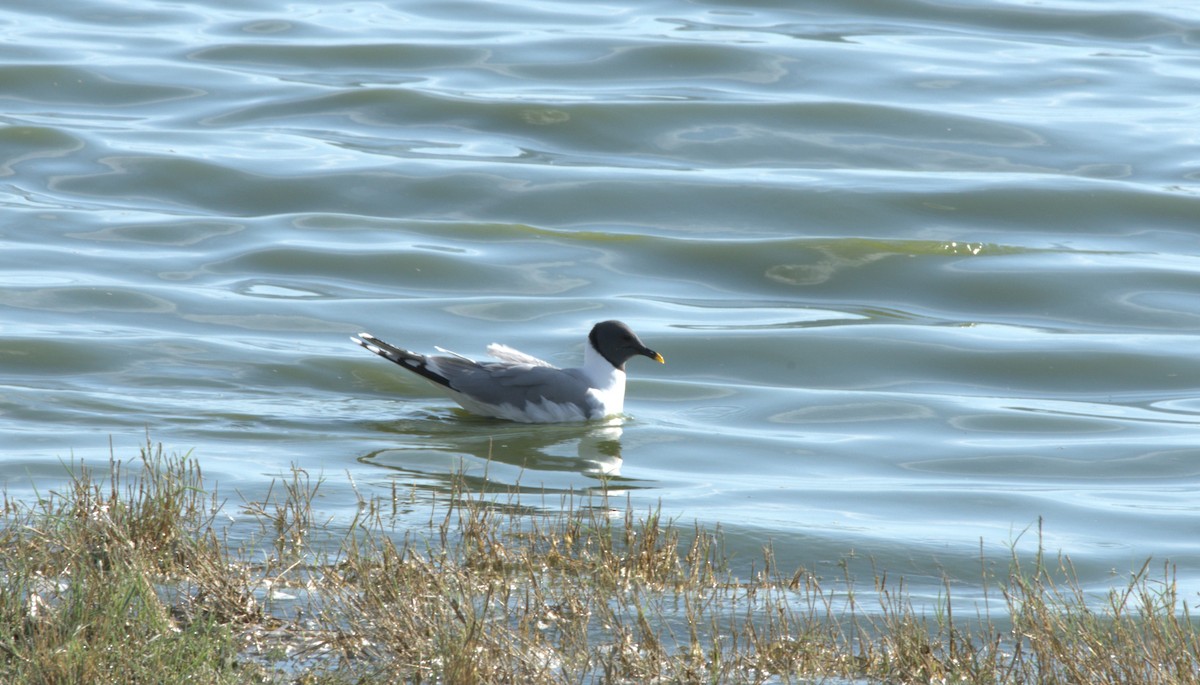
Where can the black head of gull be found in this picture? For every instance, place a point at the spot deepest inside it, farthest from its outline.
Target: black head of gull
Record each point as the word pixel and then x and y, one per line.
pixel 618 344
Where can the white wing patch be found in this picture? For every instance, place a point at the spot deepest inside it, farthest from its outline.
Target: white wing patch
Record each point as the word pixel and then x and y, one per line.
pixel 452 353
pixel 543 411
pixel 507 354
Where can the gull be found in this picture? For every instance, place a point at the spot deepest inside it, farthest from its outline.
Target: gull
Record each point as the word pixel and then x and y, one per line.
pixel 520 387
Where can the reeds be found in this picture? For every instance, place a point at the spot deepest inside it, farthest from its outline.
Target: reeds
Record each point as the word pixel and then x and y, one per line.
pixel 132 577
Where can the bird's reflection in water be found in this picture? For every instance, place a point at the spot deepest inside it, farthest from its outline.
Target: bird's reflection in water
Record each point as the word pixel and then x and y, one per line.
pixel 504 457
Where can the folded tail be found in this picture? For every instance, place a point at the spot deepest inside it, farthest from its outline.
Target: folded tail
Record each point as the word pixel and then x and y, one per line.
pixel 417 363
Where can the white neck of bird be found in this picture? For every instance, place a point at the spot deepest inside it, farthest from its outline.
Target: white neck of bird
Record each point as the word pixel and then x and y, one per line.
pixel 600 371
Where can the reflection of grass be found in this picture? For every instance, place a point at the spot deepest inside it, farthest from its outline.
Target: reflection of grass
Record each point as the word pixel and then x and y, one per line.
pixel 130 578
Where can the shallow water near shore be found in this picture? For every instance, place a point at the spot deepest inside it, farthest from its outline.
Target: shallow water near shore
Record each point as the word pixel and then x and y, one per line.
pixel 924 274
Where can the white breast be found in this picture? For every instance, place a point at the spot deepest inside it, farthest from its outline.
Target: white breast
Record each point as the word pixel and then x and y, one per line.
pixel 607 383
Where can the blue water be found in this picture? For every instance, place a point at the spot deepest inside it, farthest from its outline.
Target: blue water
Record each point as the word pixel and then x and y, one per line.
pixel 924 273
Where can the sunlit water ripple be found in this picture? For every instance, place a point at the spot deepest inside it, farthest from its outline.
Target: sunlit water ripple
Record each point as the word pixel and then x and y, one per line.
pixel 924 273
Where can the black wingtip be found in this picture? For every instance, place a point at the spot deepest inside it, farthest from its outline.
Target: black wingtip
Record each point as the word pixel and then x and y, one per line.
pixel 410 361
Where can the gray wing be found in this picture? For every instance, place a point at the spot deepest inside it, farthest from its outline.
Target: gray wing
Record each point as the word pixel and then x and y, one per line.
pixel 499 383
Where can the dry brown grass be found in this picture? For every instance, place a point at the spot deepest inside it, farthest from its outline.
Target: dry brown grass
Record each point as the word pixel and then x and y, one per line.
pixel 131 578
pixel 119 580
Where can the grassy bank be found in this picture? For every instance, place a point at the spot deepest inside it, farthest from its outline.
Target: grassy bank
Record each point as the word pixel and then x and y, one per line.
pixel 132 578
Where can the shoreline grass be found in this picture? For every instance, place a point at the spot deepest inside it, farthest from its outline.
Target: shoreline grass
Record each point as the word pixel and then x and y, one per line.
pixel 131 577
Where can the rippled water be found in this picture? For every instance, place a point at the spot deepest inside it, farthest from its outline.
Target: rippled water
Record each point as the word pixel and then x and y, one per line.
pixel 923 272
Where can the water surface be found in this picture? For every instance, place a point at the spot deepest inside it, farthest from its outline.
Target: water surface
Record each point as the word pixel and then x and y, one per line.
pixel 924 273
